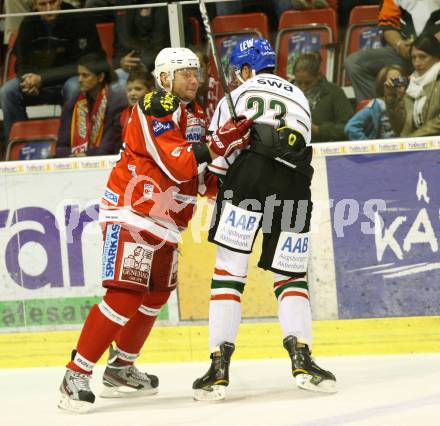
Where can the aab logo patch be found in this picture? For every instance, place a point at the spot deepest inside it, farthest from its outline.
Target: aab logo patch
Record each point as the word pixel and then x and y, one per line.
pixel 160 127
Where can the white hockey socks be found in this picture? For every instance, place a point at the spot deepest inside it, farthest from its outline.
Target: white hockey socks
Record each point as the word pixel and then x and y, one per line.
pixel 227 286
pixel 294 310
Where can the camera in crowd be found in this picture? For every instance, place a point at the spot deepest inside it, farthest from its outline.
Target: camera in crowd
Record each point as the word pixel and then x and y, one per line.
pixel 399 82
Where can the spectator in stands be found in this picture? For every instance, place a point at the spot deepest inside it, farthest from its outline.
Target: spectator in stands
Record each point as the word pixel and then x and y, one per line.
pixel 90 123
pixel 20 6
pixel 139 35
pixel 139 83
pixel 417 112
pixel 401 21
pixel 47 51
pixel 329 105
pixel 372 121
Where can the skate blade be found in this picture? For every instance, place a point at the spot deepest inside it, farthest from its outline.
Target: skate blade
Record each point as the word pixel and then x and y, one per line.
pixel 217 393
pixel 126 392
pixel 74 406
pixel 304 381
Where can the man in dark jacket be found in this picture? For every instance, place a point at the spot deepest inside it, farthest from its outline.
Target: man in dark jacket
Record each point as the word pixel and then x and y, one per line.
pixel 47 50
pixel 139 35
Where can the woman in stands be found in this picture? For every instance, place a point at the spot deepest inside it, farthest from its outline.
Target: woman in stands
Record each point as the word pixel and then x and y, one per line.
pixel 417 111
pixel 90 122
pixel 372 121
pixel 329 105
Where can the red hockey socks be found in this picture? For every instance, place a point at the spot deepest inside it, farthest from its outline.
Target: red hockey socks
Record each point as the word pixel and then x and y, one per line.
pixel 133 335
pixel 102 325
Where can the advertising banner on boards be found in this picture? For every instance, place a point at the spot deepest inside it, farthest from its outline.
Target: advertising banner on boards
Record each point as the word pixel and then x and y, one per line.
pixel 374 250
pixel 386 244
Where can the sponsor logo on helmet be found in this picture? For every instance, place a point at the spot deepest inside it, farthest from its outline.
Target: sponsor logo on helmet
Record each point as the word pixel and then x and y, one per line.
pixel 244 45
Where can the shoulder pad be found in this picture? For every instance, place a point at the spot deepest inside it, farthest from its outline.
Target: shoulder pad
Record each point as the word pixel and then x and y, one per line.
pixel 159 104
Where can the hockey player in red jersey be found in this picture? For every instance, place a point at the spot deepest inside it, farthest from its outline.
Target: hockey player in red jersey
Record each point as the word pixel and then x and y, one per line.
pixel 150 197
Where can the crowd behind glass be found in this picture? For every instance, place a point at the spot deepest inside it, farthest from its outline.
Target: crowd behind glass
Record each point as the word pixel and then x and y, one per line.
pixel 60 59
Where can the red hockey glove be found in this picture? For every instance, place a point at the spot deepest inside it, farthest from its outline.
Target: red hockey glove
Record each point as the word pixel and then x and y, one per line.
pixel 231 136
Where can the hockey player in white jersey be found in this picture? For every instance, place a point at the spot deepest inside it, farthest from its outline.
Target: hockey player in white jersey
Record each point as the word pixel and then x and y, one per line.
pixel 266 186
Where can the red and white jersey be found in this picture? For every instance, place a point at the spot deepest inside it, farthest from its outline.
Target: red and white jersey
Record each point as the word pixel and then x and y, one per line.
pixel 155 183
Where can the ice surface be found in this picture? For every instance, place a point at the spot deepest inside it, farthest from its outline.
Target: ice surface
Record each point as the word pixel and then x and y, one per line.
pixel 373 391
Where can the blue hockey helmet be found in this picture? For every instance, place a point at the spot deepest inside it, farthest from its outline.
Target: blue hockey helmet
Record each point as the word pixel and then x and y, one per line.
pixel 258 53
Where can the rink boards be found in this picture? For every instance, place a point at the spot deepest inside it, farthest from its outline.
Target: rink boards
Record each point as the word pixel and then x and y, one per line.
pixel 376 231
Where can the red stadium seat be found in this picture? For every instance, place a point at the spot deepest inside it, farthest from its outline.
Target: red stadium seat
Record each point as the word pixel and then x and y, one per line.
pixel 106 35
pixel 240 22
pixel 228 29
pixel 33 139
pixel 300 31
pixel 362 32
pixel 10 59
pixel 196 32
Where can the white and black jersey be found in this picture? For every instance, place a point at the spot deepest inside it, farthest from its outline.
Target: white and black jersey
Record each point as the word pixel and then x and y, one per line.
pixel 262 189
pixel 271 102
pixel 268 99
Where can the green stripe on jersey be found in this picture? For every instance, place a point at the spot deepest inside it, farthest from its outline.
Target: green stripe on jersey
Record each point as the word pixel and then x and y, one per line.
pixel 235 285
pixel 296 284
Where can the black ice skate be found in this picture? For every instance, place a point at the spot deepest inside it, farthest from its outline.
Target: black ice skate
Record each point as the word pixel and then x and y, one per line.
pixel 307 374
pixel 76 395
pixel 212 386
pixel 122 380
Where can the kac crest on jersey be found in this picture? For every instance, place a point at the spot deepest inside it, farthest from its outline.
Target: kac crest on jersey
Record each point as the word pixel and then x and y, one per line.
pixel 159 103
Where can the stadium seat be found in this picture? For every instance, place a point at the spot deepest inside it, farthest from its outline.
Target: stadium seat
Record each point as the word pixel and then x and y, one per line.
pixel 362 32
pixel 228 29
pixel 10 59
pixel 106 32
pixel 196 32
pixel 33 139
pixel 300 31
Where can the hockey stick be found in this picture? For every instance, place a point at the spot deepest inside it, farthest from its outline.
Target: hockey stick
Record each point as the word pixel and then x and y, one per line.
pixel 217 59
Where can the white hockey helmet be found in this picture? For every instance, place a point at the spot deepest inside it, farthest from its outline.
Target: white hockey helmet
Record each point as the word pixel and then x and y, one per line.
pixel 171 59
